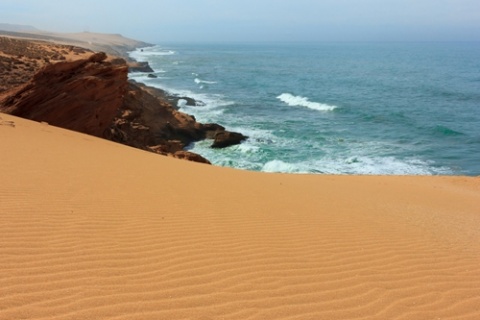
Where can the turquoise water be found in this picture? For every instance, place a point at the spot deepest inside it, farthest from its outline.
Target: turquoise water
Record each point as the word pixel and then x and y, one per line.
pixel 339 108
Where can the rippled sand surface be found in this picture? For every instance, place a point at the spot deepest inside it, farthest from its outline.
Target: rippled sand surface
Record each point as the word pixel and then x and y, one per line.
pixel 90 229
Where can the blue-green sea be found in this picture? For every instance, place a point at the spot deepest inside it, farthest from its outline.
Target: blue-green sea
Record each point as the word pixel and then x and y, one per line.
pixel 331 108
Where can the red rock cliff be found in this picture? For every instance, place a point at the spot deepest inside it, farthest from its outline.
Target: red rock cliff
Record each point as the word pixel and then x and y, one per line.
pixel 83 95
pixel 94 96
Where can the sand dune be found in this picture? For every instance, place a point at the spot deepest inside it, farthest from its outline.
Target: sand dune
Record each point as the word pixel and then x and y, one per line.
pixel 90 229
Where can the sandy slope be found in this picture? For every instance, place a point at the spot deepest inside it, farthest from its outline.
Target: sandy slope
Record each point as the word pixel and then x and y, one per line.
pixel 113 44
pixel 90 229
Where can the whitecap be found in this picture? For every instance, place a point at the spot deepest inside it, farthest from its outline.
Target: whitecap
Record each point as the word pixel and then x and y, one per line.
pixel 181 103
pixel 358 166
pixel 299 101
pixel 260 136
pixel 199 81
pixel 382 166
pixel 280 166
pixel 142 54
pixel 159 53
pixel 247 148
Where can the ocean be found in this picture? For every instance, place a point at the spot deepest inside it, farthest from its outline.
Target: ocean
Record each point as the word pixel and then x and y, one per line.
pixel 331 108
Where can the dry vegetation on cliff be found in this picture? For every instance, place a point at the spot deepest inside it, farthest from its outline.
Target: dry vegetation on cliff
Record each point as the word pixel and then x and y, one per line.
pixel 21 59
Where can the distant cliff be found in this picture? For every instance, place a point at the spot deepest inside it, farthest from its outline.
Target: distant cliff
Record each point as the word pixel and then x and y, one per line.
pixel 112 44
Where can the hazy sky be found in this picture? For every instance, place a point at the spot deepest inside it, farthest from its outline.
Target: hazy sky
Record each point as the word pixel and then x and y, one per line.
pixel 255 20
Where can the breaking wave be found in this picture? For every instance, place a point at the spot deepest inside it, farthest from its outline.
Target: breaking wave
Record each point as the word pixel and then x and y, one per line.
pixel 200 81
pixel 299 101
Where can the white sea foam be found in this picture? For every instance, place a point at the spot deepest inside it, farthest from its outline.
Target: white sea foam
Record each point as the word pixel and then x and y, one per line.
pixel 212 110
pixel 260 136
pixel 247 148
pixel 357 165
pixel 379 166
pixel 211 101
pixel 181 103
pixel 299 101
pixel 199 81
pixel 159 53
pixel 143 54
pixel 280 166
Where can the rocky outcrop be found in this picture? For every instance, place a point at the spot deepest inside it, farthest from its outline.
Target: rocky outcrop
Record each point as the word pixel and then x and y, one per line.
pixel 82 95
pixel 225 139
pixel 147 120
pixel 140 67
pixel 94 96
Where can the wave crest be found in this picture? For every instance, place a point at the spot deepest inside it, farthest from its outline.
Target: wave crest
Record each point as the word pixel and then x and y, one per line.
pixel 200 81
pixel 299 101
pixel 144 54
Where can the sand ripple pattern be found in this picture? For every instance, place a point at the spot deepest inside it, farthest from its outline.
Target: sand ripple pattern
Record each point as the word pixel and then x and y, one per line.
pixel 93 230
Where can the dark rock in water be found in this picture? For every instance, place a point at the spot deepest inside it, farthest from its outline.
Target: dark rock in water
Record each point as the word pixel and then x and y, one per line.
pixel 187 101
pixel 225 139
pixel 211 130
pixel 151 75
pixel 139 67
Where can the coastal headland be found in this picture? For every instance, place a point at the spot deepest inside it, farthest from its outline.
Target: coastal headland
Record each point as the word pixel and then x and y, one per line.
pixel 94 229
pixel 88 91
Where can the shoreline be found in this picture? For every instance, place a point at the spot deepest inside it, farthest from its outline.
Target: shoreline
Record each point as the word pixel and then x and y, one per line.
pixel 300 130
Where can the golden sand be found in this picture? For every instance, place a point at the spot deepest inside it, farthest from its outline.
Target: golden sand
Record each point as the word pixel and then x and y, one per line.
pixel 90 229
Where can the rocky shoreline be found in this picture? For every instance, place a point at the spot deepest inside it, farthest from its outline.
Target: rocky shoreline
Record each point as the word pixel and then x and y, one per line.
pixel 89 92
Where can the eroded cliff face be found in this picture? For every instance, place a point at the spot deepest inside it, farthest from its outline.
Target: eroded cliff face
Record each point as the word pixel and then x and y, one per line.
pixel 149 122
pixel 82 95
pixel 94 96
